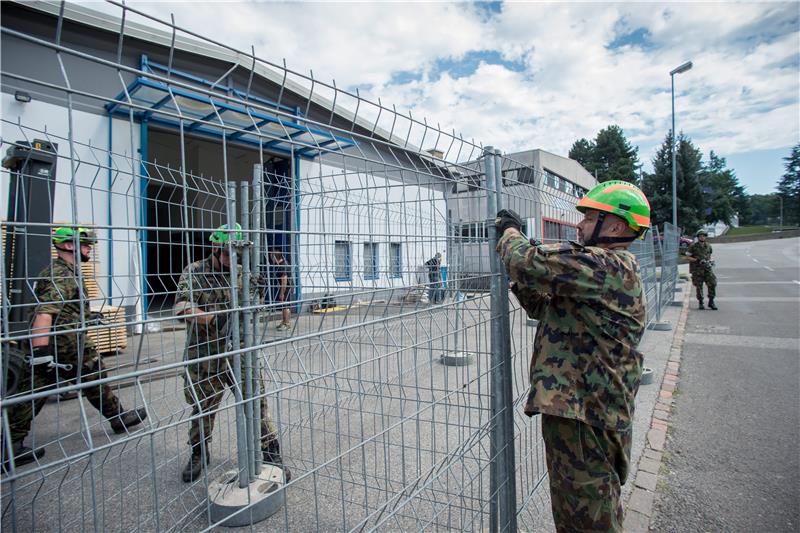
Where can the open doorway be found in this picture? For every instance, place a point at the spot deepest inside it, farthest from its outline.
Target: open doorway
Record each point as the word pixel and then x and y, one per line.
pixel 181 216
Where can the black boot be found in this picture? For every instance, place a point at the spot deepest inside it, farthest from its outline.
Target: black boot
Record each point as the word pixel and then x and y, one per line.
pixel 22 455
pixel 711 304
pixel 128 419
pixel 272 456
pixel 700 304
pixel 197 462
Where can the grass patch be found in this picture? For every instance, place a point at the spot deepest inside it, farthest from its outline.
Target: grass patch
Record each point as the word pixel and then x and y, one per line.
pixel 752 230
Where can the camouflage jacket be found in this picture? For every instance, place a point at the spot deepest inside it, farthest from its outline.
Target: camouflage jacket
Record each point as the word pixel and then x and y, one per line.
pixel 585 362
pixel 534 302
pixel 702 252
pixel 58 293
pixel 209 290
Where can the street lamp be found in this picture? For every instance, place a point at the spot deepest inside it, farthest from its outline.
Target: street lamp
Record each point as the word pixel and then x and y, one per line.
pixel 677 70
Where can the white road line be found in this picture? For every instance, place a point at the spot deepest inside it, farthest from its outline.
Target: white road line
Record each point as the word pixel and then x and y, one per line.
pixel 743 341
pixel 755 260
pixel 769 268
pixel 757 282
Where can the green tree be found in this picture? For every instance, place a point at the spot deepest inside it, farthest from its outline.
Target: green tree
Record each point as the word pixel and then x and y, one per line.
pixel 763 210
pixel 789 187
pixel 609 157
pixel 582 151
pixel 723 197
pixel 658 185
pixel 614 157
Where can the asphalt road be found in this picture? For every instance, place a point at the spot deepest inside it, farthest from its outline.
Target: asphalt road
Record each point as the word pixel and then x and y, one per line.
pixel 732 453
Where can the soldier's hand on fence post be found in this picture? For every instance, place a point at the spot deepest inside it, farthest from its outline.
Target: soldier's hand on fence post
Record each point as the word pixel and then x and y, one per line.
pixel 506 218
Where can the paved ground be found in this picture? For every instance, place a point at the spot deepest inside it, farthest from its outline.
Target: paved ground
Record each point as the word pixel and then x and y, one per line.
pixel 732 460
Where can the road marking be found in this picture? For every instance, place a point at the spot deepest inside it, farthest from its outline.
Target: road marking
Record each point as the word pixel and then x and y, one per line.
pixel 770 343
pixel 771 299
pixel 755 260
pixel 769 268
pixel 758 282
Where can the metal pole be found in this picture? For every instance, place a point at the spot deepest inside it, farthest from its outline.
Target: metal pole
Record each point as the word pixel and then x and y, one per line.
pixel 255 266
pixel 677 70
pixel 247 328
pixel 234 337
pixel 508 490
pixel 674 158
pixel 495 442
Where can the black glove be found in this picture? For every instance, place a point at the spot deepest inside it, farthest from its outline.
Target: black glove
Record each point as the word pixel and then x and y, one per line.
pixel 506 218
pixel 39 365
pixel 44 351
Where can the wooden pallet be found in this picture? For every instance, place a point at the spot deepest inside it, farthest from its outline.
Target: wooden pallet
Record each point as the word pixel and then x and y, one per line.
pixel 113 336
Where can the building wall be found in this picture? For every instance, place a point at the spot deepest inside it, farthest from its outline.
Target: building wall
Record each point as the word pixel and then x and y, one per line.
pixel 360 207
pixel 103 198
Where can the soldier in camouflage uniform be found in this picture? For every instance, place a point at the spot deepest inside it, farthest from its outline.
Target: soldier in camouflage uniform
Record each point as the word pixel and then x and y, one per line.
pixel 60 299
pixel 701 267
pixel 585 369
pixel 203 291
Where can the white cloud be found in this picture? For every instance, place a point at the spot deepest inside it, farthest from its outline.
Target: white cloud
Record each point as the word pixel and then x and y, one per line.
pixel 736 98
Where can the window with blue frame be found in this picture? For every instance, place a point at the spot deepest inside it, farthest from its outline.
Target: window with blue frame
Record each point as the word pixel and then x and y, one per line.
pixel 371 260
pixel 342 261
pixel 395 260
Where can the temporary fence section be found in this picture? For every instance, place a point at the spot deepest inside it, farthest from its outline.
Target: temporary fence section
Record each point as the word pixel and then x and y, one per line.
pixel 670 248
pixel 299 298
pixel 645 252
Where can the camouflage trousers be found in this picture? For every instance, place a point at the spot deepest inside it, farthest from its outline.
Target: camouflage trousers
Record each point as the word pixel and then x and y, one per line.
pixel 204 389
pixel 587 467
pixel 704 276
pixel 101 397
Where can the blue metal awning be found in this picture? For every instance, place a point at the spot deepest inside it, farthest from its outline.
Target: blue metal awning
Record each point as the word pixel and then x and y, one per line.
pixel 216 117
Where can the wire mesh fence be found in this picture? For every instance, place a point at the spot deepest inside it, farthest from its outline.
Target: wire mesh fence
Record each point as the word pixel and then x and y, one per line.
pixel 277 277
pixel 645 251
pixel 670 247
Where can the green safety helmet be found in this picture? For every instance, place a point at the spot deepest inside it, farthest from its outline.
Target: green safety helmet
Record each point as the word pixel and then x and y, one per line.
pixel 619 198
pixel 223 235
pixel 64 234
pixel 701 232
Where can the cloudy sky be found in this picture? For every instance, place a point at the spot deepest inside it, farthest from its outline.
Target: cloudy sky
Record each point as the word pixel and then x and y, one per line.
pixel 541 75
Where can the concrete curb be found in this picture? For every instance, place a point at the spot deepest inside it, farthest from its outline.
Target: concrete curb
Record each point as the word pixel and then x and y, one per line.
pixel 641 502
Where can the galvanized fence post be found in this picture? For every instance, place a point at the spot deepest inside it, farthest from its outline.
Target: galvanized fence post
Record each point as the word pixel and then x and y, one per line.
pixel 508 514
pixel 255 267
pixel 247 330
pixel 502 507
pixel 234 339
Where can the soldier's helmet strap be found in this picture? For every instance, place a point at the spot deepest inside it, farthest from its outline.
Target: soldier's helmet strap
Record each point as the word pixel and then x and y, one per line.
pixel 596 239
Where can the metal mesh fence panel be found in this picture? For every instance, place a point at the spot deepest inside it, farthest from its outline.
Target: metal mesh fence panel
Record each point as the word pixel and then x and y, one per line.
pixel 645 252
pixel 353 300
pixel 669 264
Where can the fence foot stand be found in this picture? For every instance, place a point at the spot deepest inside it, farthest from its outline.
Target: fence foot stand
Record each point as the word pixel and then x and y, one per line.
pixel 262 498
pixel 660 326
pixel 456 358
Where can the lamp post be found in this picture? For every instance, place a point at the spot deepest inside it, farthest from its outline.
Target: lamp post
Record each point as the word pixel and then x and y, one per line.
pixel 677 70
